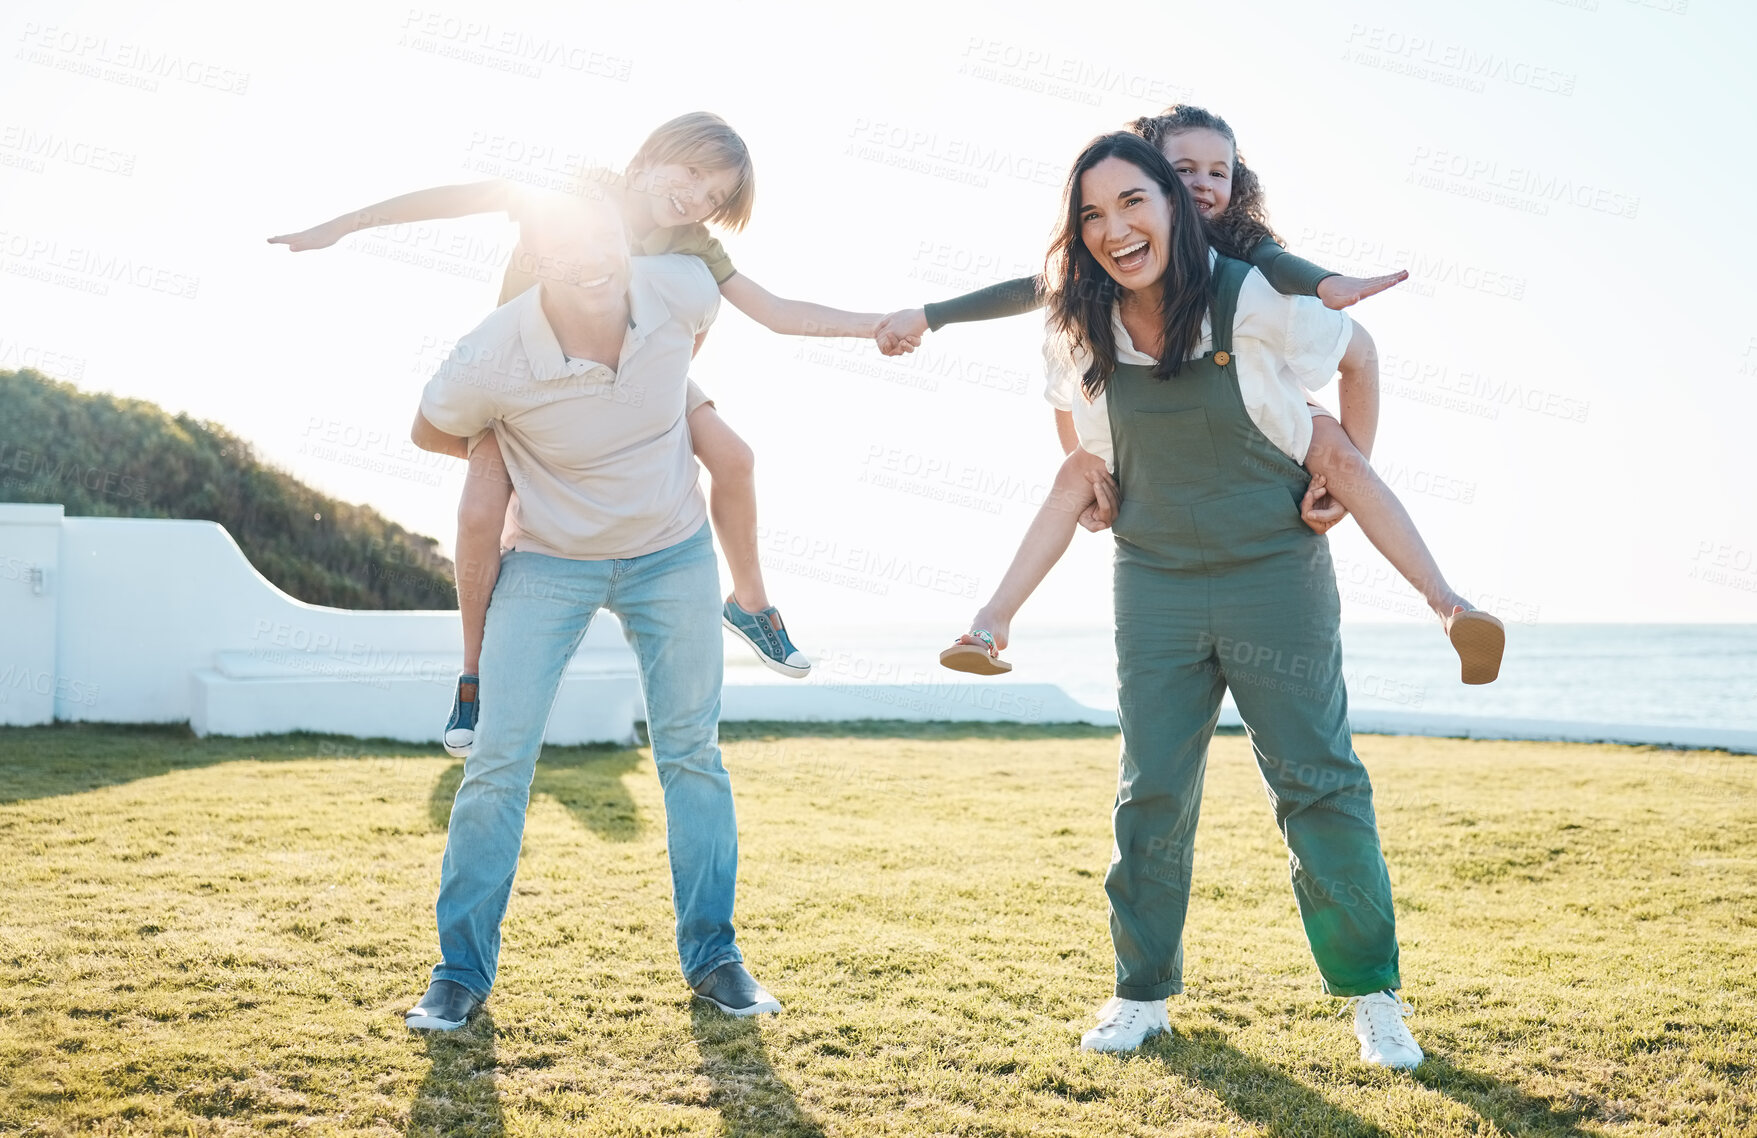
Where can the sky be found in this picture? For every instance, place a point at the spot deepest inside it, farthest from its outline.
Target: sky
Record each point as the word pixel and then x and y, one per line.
pixel 1567 378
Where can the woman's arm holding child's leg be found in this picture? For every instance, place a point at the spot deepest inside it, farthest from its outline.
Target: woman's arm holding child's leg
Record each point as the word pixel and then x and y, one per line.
pixel 1065 433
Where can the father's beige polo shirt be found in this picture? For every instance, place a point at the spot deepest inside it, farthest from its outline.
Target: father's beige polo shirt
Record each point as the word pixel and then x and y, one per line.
pixel 600 460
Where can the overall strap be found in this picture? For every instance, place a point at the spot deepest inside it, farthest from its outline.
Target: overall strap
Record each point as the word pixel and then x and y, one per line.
pixel 1229 275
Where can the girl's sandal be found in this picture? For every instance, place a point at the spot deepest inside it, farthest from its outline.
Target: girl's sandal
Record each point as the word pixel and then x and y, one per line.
pixel 976 659
pixel 1480 640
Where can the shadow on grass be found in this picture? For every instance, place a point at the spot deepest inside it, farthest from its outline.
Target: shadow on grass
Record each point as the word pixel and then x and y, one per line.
pixel 1255 1091
pixel 70 758
pixel 458 1095
pixel 588 781
pixel 1503 1104
pixel 73 758
pixel 752 1100
pixel 1282 1105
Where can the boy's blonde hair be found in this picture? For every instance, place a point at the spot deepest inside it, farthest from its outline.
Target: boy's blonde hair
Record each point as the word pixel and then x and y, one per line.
pixel 704 139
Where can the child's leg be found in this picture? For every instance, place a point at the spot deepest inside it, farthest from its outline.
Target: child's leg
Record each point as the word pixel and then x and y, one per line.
pixel 481 517
pixel 1044 544
pixel 731 502
pixel 732 505
pixel 1350 479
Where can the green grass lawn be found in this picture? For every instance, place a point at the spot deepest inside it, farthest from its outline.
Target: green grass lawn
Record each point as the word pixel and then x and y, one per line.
pixel 219 936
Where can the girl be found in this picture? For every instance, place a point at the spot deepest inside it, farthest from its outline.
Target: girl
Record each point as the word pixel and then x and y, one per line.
pixel 692 170
pixel 1204 154
pixel 1219 584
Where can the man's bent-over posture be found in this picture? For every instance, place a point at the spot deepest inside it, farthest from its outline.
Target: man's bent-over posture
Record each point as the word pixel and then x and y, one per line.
pixel 582 378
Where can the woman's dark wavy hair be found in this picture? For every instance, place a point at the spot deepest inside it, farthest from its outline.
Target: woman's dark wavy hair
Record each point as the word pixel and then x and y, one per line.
pixel 1080 293
pixel 1244 224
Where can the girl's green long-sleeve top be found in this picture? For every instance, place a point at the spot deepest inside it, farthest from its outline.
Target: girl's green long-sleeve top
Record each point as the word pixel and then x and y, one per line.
pixel 1286 273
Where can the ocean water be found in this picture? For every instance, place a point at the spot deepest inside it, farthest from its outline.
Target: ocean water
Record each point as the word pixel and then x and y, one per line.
pixel 1662 674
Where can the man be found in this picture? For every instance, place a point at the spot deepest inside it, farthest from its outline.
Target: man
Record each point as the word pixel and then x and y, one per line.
pixel 583 380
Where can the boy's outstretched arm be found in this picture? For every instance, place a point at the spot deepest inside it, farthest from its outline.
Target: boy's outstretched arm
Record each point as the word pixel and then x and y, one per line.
pixel 795 317
pixel 492 196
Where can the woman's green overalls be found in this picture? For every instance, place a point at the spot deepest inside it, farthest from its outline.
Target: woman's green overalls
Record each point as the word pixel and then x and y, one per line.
pixel 1219 584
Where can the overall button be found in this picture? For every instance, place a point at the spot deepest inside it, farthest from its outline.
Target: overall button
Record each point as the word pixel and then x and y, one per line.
pixel 1222 358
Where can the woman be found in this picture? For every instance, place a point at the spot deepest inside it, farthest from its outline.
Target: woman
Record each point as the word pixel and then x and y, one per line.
pixel 1203 150
pixel 1219 583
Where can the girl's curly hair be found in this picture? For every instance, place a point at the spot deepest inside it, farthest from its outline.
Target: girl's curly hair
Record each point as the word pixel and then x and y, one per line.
pixel 1245 222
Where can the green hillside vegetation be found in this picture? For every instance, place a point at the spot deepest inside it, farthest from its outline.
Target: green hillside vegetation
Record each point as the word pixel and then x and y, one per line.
pixel 107 457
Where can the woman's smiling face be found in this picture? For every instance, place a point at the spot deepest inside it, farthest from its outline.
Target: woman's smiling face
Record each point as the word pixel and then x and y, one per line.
pixel 1125 222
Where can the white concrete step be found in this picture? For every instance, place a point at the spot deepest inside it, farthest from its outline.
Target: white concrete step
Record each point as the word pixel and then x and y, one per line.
pixel 593 706
pixel 951 700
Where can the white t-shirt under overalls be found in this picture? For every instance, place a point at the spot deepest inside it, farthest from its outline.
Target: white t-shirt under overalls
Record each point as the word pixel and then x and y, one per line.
pixel 1284 347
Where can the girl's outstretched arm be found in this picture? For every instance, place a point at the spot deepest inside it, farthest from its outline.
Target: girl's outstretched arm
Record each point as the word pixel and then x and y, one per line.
pixel 1295 276
pixel 493 196
pixel 795 317
pixel 1008 298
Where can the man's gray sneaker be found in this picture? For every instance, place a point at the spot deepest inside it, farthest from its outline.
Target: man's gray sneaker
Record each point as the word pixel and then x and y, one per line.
pixel 445 1007
pixel 733 990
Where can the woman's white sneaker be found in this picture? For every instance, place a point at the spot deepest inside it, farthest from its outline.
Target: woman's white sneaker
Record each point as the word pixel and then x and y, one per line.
pixel 1124 1025
pixel 1384 1037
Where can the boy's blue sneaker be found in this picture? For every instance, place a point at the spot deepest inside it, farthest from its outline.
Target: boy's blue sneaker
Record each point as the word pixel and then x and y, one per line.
pixel 460 729
pixel 765 632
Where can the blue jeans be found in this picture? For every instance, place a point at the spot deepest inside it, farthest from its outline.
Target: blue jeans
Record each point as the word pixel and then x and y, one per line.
pixel 670 608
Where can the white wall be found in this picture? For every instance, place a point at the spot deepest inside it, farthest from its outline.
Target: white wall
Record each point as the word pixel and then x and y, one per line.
pixel 30 548
pixel 146 602
pixel 126 620
pixel 139 620
pixel 143 620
